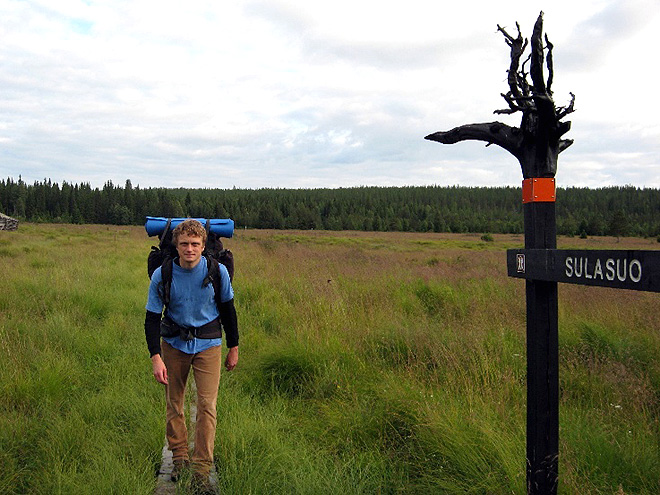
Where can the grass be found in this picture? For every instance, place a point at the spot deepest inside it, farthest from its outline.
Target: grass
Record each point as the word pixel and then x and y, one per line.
pixel 74 413
pixel 370 363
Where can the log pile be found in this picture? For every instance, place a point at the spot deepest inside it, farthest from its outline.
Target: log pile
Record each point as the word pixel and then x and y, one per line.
pixel 8 223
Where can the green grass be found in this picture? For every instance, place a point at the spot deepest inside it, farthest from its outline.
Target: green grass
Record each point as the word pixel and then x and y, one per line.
pixel 78 412
pixel 370 363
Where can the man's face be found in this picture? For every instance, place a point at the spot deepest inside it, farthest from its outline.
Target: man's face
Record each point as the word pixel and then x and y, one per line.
pixel 190 250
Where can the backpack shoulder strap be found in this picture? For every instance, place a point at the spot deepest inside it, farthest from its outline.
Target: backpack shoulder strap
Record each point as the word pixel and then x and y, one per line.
pixel 213 277
pixel 165 281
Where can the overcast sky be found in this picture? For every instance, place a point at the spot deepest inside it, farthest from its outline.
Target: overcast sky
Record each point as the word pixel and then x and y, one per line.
pixel 306 94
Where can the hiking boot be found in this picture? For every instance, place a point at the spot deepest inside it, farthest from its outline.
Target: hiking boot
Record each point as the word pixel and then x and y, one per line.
pixel 177 469
pixel 201 485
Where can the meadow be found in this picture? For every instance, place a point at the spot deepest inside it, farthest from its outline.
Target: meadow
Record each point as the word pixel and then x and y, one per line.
pixel 370 363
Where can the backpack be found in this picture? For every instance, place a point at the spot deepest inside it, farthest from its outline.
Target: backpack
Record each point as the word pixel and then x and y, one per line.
pixel 163 255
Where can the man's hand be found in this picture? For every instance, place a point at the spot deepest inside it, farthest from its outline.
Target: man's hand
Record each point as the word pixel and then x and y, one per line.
pixel 232 358
pixel 160 371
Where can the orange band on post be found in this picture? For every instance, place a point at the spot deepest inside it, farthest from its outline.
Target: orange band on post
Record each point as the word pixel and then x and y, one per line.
pixel 537 190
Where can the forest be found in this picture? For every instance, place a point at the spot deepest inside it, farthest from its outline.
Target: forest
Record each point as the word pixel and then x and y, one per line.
pixel 618 211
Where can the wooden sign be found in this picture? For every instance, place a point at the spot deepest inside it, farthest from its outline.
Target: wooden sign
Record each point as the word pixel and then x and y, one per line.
pixel 625 269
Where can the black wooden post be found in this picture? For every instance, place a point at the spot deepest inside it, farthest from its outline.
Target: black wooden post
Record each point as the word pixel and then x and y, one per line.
pixel 542 358
pixel 536 144
pixel 544 267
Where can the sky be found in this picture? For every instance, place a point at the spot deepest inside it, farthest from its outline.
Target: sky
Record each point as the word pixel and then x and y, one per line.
pixel 309 94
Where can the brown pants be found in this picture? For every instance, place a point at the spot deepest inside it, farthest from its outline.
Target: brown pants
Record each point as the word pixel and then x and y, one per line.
pixel 206 370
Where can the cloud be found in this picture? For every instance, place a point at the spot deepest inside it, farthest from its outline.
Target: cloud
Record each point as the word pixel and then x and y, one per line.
pixel 593 39
pixel 287 93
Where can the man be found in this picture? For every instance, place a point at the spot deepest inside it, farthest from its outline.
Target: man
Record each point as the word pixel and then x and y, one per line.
pixel 191 338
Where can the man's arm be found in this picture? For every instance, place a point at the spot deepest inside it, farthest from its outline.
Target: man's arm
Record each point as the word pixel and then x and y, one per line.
pixel 152 334
pixel 230 324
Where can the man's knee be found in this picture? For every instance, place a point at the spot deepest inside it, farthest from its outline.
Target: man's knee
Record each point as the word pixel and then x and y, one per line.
pixel 206 406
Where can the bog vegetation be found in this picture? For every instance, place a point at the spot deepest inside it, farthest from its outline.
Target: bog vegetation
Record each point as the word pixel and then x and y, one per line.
pixel 617 211
pixel 370 363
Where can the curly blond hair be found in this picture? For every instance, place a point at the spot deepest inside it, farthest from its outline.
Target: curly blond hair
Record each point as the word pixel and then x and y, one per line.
pixel 191 227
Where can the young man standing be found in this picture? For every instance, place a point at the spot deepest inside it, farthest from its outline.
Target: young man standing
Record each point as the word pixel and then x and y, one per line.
pixel 191 338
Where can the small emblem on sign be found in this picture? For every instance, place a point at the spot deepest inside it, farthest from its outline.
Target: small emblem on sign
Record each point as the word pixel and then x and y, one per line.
pixel 520 263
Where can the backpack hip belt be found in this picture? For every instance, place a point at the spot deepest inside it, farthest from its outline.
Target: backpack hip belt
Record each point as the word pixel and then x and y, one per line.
pixel 210 330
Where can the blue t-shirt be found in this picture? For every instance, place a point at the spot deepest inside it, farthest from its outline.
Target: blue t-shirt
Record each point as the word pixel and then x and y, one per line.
pixel 191 305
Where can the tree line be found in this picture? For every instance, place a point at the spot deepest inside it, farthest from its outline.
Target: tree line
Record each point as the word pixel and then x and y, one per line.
pixel 616 211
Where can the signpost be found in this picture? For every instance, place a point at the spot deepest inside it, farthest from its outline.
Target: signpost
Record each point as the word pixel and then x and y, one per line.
pixel 542 348
pixel 536 144
pixel 543 266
